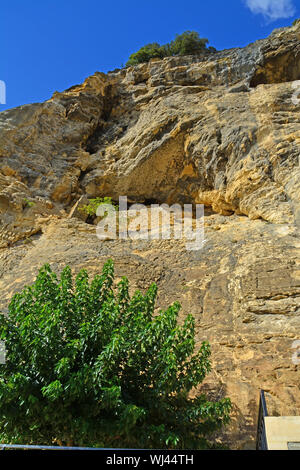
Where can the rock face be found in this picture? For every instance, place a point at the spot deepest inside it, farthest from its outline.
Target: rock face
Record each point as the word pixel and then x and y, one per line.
pixel 222 130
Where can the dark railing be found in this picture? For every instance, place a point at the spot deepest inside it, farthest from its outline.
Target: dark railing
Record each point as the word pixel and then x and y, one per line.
pixel 41 447
pixel 32 447
pixel 261 438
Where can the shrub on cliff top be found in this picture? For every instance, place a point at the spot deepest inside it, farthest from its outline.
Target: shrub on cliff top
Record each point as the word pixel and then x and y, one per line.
pixel 186 43
pixel 87 364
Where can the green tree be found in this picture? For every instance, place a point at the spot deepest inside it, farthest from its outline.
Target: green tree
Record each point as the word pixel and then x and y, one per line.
pixel 146 53
pixel 88 364
pixel 186 43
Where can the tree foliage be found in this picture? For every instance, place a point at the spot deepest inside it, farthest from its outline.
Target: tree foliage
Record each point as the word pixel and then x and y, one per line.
pixel 186 43
pixel 146 53
pixel 91 208
pixel 88 364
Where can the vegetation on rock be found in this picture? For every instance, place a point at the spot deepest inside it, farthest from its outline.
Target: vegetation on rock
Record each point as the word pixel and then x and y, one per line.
pixel 186 43
pixel 92 206
pixel 27 203
pixel 88 364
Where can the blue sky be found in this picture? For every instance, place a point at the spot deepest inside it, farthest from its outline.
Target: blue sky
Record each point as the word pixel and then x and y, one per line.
pixel 50 45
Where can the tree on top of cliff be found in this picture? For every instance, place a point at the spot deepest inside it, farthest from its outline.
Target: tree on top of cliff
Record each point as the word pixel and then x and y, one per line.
pixel 186 43
pixel 146 53
pixel 86 364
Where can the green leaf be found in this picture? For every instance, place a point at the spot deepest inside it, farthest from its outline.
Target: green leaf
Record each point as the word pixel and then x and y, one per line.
pixel 88 363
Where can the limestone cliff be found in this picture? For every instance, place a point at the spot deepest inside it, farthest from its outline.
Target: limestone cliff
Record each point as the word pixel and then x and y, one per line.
pixel 222 129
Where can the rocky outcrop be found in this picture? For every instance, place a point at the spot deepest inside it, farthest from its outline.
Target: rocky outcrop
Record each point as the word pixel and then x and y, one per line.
pixel 223 130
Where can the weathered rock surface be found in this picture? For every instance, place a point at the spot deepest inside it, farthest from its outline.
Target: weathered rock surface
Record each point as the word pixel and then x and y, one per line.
pixel 222 130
